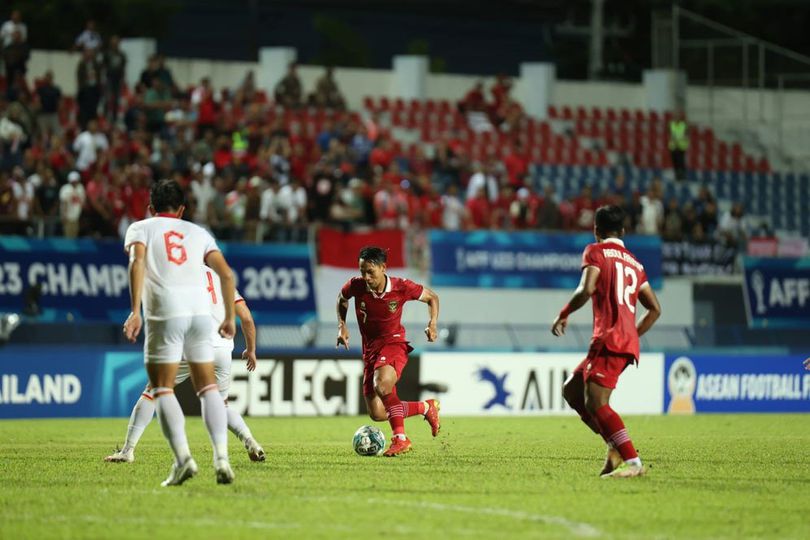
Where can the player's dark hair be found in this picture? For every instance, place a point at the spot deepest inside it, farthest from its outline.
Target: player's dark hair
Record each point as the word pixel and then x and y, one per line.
pixel 374 254
pixel 609 221
pixel 166 195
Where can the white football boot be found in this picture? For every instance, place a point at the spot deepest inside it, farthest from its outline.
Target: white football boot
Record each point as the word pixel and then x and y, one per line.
pixel 223 471
pixel 180 474
pixel 121 456
pixel 254 450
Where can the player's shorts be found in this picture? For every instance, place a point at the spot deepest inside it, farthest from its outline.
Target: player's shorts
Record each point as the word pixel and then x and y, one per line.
pixel 171 340
pixel 603 367
pixel 222 369
pixel 392 354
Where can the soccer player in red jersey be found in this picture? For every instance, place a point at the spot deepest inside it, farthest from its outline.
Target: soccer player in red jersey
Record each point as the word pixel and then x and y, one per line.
pixel 615 281
pixel 378 302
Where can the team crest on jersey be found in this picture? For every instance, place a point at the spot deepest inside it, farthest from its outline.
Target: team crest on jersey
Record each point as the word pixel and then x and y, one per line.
pixel 362 305
pixel 392 306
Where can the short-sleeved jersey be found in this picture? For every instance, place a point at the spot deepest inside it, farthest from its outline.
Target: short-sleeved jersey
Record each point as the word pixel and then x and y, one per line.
pixel 175 252
pixel 621 276
pixel 213 287
pixel 380 315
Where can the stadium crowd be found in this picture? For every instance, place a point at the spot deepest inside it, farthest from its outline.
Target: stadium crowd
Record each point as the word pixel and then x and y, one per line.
pixel 257 169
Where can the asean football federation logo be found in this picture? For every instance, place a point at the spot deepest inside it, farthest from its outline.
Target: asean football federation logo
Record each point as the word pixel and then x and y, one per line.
pixel 682 381
pixel 392 306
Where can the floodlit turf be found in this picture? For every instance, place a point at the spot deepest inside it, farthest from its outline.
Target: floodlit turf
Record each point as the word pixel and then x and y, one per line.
pixel 711 477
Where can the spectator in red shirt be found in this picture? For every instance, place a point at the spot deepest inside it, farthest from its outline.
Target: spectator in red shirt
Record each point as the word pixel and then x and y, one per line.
pixel 382 155
pixel 479 210
pixel 584 208
pixel 474 99
pixel 391 206
pixel 517 165
pixel 501 215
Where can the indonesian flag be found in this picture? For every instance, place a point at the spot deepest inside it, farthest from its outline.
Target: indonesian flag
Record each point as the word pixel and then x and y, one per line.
pixel 338 261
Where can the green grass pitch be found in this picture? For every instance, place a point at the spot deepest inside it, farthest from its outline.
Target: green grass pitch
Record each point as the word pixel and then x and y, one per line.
pixel 725 476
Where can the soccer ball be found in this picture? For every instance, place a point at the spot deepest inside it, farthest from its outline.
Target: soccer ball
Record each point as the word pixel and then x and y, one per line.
pixel 368 441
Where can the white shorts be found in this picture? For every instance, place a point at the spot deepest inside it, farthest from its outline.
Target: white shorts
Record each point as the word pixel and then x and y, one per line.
pixel 179 338
pixel 222 369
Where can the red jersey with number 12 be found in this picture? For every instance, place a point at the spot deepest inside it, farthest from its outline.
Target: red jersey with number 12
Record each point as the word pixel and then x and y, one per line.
pixel 380 315
pixel 614 301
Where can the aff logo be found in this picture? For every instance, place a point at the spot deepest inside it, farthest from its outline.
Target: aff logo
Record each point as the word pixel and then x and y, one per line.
pixel 779 293
pixel 498 386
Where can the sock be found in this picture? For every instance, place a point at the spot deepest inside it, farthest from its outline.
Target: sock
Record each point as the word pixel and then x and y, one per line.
pixel 396 413
pixel 216 420
pixel 141 415
pixel 237 425
pixel 172 422
pixel 614 431
pixel 412 408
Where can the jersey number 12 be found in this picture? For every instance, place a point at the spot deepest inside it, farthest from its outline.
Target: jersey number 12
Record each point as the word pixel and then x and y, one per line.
pixel 624 291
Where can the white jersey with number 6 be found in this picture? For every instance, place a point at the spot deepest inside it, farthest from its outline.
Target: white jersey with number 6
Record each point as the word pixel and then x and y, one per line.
pixel 214 288
pixel 175 253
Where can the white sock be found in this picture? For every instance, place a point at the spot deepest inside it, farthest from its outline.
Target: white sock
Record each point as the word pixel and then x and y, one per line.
pixel 141 415
pixel 172 422
pixel 237 425
pixel 636 461
pixel 216 420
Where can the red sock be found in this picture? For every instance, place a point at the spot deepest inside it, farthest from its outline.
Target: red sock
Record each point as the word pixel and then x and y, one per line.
pixel 613 430
pixel 412 408
pixel 395 411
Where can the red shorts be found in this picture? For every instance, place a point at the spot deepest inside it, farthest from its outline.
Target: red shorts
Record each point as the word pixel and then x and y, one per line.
pixel 392 354
pixel 603 367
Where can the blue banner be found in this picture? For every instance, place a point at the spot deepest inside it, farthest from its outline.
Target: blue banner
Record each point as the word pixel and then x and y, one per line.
pixel 54 382
pixel 87 279
pixel 732 384
pixel 777 292
pixel 523 260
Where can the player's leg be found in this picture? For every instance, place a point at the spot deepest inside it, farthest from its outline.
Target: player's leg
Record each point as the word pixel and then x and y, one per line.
pixel 374 405
pixel 141 415
pixel 236 424
pixel 597 401
pixel 385 379
pixel 199 352
pixel 172 421
pixel 574 395
pixel 429 409
pixel 163 351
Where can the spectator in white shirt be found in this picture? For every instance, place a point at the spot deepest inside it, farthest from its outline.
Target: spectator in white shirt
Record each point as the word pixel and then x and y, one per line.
pixel 483 178
pixel 14 24
pixel 89 39
pixel 652 211
pixel 733 228
pixel 88 145
pixel 71 199
pixel 453 210
pixel 203 190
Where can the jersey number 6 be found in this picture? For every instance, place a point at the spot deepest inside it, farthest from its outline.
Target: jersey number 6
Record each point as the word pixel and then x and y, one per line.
pixel 175 251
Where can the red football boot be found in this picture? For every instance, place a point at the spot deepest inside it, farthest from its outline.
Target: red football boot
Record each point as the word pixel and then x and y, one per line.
pixel 432 416
pixel 398 446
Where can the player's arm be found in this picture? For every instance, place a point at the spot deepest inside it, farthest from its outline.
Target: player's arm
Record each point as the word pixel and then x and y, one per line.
pixel 216 262
pixel 647 297
pixel 432 300
pixel 137 271
pixel 249 331
pixel 342 309
pixel 583 293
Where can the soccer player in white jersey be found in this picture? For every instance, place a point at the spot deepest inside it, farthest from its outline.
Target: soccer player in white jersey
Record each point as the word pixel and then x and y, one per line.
pixel 166 257
pixel 144 408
